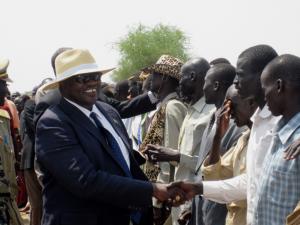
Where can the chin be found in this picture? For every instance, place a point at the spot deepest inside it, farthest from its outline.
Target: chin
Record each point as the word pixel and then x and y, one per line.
pixel 206 102
pixel 274 111
pixel 241 94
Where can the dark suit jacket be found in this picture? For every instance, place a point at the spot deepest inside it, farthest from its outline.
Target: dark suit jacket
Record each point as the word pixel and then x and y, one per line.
pixel 83 183
pixel 27 131
pixel 136 106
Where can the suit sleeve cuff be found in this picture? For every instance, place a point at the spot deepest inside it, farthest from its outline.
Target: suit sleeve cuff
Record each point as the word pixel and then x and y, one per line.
pixel 152 98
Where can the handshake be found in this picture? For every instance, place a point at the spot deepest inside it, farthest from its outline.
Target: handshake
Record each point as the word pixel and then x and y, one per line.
pixel 176 193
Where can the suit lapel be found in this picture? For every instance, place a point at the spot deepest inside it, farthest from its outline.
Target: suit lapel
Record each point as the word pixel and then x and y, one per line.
pixel 79 118
pixel 117 127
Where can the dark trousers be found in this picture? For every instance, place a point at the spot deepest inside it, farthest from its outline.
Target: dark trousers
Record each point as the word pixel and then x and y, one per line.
pixel 34 191
pixel 205 212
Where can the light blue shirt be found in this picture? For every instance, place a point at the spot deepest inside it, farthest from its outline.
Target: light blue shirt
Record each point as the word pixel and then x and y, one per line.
pixel 278 191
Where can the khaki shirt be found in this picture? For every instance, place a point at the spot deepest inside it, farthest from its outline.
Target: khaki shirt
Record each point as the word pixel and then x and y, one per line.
pixel 175 114
pixel 8 183
pixel 294 217
pixel 190 136
pixel 231 164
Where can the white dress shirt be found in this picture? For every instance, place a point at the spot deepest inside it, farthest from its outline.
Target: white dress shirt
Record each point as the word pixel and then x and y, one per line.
pixel 106 124
pixel 240 187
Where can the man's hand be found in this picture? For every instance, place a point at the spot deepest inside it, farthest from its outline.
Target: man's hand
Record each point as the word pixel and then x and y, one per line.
pixel 157 153
pixel 171 196
pixel 190 189
pixel 223 119
pixel 293 150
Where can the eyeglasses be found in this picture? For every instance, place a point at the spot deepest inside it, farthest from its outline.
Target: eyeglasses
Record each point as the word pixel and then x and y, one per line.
pixel 84 78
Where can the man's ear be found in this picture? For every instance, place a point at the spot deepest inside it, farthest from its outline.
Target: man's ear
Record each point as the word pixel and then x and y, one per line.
pixel 193 76
pixel 280 85
pixel 216 85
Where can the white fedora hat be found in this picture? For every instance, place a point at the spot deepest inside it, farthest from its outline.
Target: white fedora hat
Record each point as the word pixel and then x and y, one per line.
pixel 74 62
pixel 3 70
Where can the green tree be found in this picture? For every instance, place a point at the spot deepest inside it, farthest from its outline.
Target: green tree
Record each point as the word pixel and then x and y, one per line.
pixel 142 46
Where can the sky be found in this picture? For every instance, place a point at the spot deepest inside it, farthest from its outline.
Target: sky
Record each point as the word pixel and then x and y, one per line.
pixel 32 30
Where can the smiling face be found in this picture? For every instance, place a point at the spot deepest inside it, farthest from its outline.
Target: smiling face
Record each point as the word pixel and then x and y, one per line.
pixel 82 89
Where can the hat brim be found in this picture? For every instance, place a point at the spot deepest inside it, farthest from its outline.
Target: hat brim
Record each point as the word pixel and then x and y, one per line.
pixel 8 80
pixel 5 78
pixel 55 83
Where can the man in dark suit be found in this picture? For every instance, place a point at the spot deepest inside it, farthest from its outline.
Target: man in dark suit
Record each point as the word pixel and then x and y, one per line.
pixel 141 104
pixel 89 173
pixel 34 189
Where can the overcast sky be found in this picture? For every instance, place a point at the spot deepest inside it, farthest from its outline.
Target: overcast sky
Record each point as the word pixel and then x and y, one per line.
pixel 32 30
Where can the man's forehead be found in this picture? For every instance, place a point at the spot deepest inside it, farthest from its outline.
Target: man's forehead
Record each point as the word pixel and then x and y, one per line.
pixel 213 72
pixel 187 68
pixel 243 64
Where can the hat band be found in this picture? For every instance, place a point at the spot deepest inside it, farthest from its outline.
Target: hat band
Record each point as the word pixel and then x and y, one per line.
pixel 83 68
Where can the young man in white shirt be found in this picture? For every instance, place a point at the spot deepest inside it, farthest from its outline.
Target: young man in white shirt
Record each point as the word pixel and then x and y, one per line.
pixel 250 65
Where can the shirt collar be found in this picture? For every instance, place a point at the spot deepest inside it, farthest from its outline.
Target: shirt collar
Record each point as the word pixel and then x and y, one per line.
pixel 166 99
pixel 287 130
pixel 82 109
pixel 263 113
pixel 199 105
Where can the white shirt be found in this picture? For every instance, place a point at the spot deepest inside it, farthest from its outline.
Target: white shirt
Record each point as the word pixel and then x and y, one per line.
pixel 106 124
pixel 259 141
pixel 240 187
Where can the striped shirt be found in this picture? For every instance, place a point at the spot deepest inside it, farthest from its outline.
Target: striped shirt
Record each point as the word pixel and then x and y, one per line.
pixel 278 191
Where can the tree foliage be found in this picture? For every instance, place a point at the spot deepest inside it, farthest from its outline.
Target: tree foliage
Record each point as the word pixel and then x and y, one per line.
pixel 142 46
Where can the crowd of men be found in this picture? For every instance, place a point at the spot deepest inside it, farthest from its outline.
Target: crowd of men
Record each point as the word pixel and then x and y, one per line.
pixel 196 142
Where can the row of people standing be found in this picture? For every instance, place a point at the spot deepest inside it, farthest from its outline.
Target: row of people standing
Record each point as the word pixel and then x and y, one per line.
pixel 249 96
pixel 187 125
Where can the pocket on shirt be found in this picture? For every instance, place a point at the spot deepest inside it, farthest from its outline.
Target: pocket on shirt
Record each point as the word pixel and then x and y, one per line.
pixel 279 188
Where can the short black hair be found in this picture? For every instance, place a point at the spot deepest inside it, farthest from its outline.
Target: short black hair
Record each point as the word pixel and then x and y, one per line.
pixel 224 73
pixel 200 65
pixel 285 67
pixel 258 57
pixel 121 88
pixel 218 61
